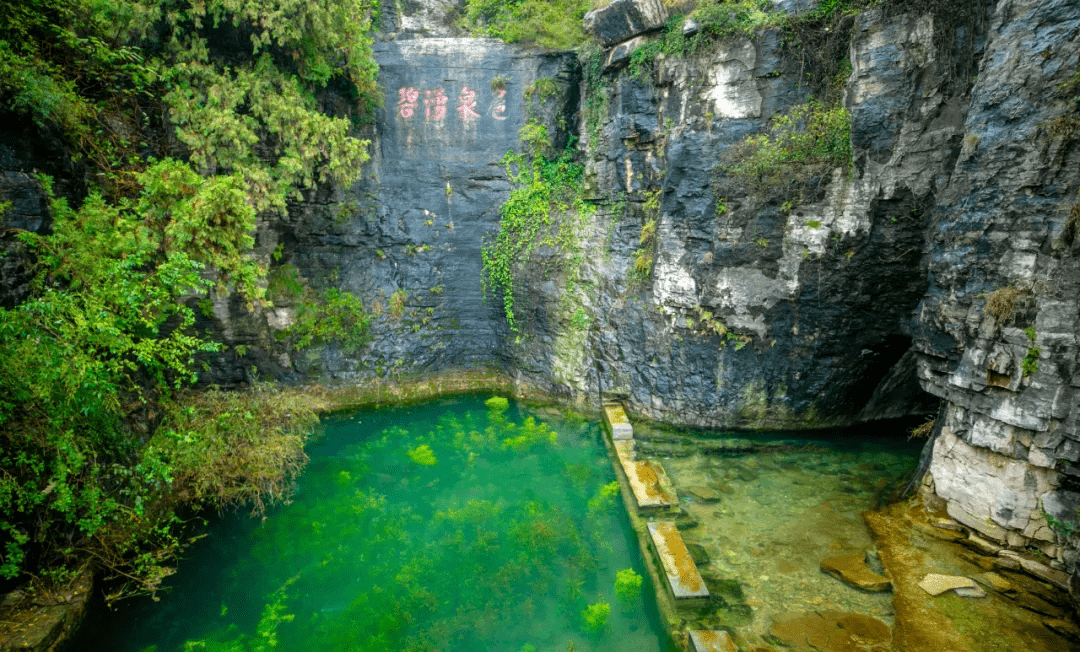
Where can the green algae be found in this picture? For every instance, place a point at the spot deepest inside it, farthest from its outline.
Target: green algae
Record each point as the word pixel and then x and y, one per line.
pixel 495 546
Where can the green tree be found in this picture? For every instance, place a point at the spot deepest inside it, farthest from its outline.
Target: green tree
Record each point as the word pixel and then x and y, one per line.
pixel 192 117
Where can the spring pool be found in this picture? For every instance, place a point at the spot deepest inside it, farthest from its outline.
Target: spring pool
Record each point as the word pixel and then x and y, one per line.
pixel 454 525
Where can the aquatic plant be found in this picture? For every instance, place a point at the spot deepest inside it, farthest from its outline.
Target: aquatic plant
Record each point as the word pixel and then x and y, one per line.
pixel 497 404
pixel 531 434
pixel 423 455
pixel 604 498
pixel 628 585
pixel 596 616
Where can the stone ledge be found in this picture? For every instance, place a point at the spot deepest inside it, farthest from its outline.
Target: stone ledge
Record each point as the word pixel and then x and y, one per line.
pixel 683 578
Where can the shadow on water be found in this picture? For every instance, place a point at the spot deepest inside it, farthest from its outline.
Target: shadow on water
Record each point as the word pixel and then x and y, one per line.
pixel 451 525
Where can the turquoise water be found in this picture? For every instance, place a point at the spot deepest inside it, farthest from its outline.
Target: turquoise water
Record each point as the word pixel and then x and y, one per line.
pixel 448 526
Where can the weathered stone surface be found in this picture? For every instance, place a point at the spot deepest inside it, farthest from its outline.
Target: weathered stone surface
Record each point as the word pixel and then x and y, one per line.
pixel 832 631
pixel 852 570
pixel 623 19
pixel 708 640
pixel 617 422
pixel 420 17
pixel 999 584
pixel 683 578
pixel 990 492
pixel 40 623
pixel 1066 628
pixel 935 584
pixel 981 546
pixel 704 494
pixel 643 476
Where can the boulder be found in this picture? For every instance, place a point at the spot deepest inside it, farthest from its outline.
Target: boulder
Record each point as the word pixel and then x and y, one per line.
pixel 625 19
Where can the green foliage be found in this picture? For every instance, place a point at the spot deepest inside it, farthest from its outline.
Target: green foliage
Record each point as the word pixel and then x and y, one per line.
pixel 82 66
pixel 721 206
pixel 423 455
pixel 552 24
pixel 1030 363
pixel 92 358
pixel 232 448
pixel 547 192
pixel 284 284
pixel 542 89
pixel 265 638
pixel 804 144
pixel 596 616
pixel 530 435
pixel 397 303
pixel 336 317
pixel 813 224
pixel 595 102
pixel 718 20
pixel 628 585
pixel 1065 530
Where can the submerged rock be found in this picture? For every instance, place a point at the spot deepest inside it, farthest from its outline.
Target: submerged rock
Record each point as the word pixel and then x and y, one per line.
pixel 852 570
pixel 704 494
pixel 832 631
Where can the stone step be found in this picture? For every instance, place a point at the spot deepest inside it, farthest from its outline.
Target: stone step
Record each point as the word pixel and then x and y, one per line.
pixel 617 422
pixel 711 640
pixel 644 477
pixel 683 578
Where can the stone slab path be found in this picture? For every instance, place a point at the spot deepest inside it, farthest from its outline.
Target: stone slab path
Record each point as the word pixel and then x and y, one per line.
pixel 683 577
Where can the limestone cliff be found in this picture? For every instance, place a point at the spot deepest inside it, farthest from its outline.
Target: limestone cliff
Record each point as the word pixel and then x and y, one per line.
pixel 866 299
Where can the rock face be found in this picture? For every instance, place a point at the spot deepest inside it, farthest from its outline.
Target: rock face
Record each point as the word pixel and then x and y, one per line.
pixel 867 299
pixel 624 19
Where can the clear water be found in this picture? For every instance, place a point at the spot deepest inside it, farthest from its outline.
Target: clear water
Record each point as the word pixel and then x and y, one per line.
pixel 447 526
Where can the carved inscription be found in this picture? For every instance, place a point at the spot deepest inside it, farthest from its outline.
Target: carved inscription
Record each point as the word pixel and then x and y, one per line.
pixel 435 104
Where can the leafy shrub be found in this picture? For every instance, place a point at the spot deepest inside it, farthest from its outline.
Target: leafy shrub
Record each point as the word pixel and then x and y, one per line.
pixel 717 19
pixel 91 361
pixel 335 317
pixel 233 448
pixel 804 144
pixel 552 24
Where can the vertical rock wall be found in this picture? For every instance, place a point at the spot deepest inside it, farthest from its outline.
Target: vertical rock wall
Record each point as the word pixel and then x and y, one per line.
pixel 1006 456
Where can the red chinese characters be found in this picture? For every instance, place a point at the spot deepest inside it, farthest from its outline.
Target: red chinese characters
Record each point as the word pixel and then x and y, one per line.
pixel 498 105
pixel 407 101
pixel 467 109
pixel 435 104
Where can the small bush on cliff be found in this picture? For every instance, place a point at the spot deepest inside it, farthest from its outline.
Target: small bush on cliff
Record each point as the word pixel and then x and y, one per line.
pixel 798 149
pixel 717 20
pixel 1001 303
pixel 552 24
